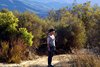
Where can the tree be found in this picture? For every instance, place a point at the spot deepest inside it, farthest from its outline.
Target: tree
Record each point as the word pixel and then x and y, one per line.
pixel 33 24
pixel 8 24
pixel 78 32
pixel 10 35
pixel 8 28
pixel 85 12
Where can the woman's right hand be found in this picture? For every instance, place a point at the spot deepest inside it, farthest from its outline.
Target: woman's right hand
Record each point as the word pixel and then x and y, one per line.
pixel 48 49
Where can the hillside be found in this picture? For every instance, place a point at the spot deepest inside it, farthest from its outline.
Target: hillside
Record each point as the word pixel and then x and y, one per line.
pixel 40 7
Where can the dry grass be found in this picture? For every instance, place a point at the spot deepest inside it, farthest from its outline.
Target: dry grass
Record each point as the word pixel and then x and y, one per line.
pixel 17 51
pixel 80 60
pixel 12 54
pixel 86 61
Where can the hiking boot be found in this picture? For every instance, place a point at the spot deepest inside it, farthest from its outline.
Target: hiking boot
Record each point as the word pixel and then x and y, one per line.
pixel 50 66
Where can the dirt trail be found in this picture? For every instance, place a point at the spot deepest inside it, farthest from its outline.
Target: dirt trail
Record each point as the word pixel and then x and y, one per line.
pixel 58 61
pixel 40 62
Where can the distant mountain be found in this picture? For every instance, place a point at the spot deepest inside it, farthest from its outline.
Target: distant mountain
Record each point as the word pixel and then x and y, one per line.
pixel 40 7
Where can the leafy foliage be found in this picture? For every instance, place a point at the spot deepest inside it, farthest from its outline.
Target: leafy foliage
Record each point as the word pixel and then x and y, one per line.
pixel 82 21
pixel 26 36
pixel 8 24
pixel 9 32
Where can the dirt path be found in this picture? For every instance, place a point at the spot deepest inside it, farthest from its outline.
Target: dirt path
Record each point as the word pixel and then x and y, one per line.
pixel 40 62
pixel 58 61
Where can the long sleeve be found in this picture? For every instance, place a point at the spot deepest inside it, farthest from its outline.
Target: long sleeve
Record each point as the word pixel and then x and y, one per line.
pixel 48 43
pixel 48 40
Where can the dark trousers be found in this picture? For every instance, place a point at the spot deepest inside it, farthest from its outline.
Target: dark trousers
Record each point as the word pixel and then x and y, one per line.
pixel 50 55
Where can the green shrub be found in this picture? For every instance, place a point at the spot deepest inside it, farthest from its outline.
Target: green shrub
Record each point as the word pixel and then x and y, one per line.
pixel 33 24
pixel 8 28
pixel 27 37
pixel 8 24
pixel 12 48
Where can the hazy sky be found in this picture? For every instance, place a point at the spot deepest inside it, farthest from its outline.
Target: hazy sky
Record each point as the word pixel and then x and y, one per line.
pixel 69 1
pixel 80 1
pixel 92 1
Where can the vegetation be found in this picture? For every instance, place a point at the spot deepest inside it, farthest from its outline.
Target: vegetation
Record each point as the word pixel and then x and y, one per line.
pixel 75 29
pixel 78 60
pixel 9 33
pixel 82 21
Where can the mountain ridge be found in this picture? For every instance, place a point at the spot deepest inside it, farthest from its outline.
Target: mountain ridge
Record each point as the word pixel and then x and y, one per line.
pixel 41 7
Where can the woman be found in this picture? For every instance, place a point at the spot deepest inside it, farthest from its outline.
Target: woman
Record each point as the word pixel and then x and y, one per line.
pixel 51 46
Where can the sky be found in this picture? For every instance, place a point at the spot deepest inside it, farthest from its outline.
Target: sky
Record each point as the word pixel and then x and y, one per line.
pixel 70 1
pixel 81 1
pixel 78 1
